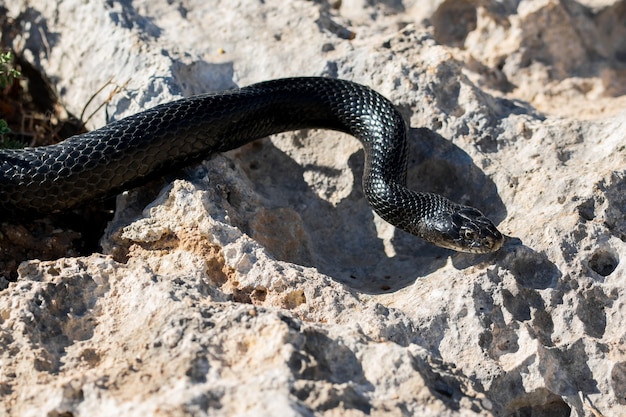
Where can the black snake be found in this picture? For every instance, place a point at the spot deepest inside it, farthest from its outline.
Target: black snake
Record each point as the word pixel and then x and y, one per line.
pixel 125 152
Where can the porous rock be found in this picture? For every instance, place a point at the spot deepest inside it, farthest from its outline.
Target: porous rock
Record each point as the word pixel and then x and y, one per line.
pixel 260 282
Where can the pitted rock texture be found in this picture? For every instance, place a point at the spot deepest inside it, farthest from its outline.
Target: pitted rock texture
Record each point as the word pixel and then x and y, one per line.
pixel 260 282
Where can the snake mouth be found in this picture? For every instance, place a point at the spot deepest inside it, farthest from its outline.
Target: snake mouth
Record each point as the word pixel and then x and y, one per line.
pixel 487 244
pixel 484 240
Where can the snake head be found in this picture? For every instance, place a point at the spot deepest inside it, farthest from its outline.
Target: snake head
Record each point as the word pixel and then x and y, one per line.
pixel 465 229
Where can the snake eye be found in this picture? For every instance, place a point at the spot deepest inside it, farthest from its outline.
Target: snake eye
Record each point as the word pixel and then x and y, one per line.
pixel 469 234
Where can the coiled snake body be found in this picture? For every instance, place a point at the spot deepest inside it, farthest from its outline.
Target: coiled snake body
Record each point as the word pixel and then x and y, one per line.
pixel 122 153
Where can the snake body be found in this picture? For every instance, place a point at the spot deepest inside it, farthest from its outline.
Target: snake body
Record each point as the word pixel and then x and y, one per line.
pixel 125 152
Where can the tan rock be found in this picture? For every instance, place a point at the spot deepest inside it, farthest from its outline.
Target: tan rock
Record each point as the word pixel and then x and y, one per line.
pixel 261 283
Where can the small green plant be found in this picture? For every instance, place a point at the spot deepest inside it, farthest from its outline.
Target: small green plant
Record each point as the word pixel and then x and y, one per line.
pixel 7 74
pixel 4 127
pixel 6 142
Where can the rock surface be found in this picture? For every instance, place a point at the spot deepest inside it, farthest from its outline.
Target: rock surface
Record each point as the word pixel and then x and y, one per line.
pixel 260 283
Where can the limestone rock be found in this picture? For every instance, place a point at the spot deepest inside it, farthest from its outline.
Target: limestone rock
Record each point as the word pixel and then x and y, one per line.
pixel 261 283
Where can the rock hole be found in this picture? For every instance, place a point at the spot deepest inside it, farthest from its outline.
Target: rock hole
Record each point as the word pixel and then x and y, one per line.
pixel 556 409
pixel 615 213
pixel 618 382
pixel 90 357
pixel 586 210
pixel 293 299
pixel 259 294
pixel 540 403
pixel 198 369
pixel 60 414
pixel 603 262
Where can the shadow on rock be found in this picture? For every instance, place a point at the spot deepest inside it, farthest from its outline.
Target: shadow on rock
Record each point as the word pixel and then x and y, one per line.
pixel 341 240
pixel 531 269
pixel 437 165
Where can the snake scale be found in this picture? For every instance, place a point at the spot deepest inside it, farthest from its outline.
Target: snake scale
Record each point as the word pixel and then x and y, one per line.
pixel 126 152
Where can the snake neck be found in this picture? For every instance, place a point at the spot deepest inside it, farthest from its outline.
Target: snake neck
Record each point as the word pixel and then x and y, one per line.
pixel 414 212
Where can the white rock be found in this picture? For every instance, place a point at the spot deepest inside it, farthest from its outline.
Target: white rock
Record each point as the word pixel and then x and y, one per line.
pixel 260 283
